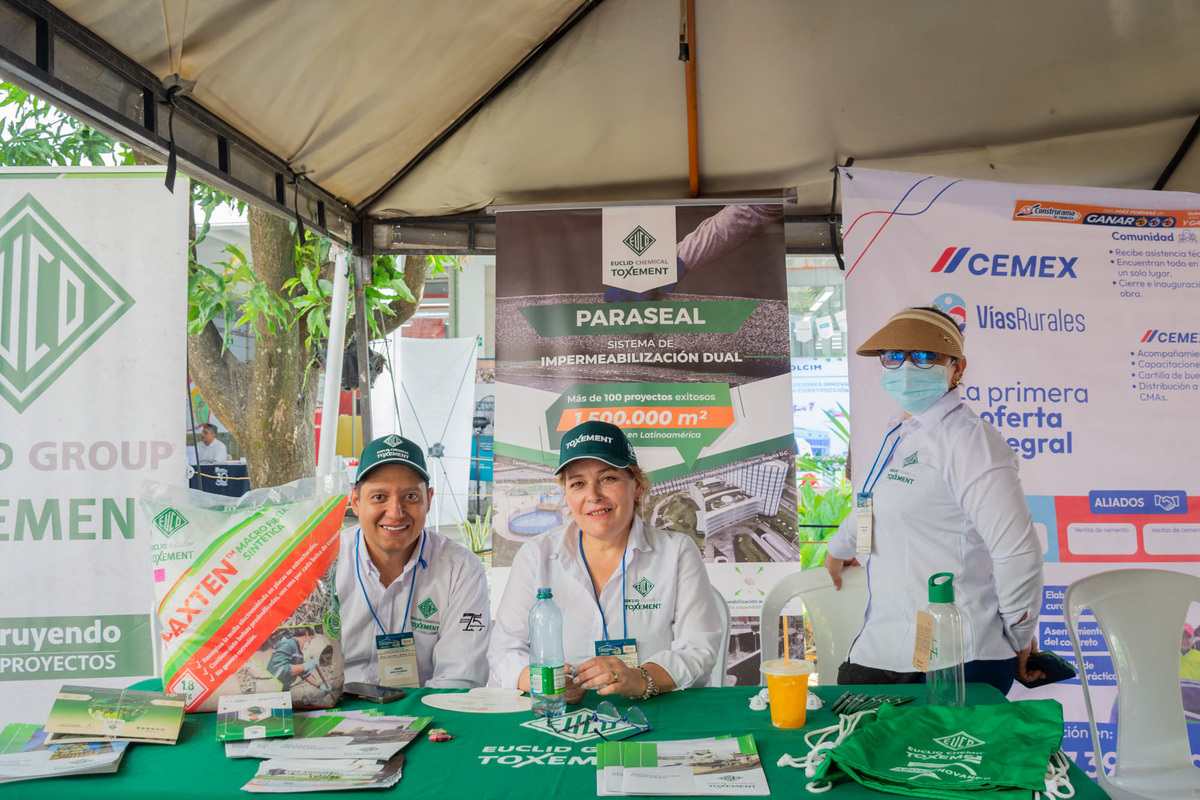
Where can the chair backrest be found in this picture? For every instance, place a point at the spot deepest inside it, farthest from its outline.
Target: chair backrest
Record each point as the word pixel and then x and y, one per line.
pixel 836 616
pixel 1141 613
pixel 717 678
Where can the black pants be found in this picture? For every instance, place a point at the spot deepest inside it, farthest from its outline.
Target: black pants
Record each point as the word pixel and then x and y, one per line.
pixel 1000 674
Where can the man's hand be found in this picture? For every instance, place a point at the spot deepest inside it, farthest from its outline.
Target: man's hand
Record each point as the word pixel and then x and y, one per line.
pixel 1024 674
pixel 835 567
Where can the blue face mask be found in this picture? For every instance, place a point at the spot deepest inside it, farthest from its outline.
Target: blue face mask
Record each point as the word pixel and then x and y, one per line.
pixel 914 389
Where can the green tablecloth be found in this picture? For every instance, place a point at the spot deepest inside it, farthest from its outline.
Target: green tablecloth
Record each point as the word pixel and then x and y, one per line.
pixel 491 755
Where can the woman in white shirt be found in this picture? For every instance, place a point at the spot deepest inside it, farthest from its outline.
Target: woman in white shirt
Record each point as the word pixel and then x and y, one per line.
pixel 942 495
pixel 639 616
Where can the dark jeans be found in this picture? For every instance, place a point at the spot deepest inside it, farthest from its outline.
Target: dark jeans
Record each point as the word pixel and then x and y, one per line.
pixel 1000 674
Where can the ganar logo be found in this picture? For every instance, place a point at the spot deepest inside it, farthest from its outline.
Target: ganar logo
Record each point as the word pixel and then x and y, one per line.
pixel 55 302
pixel 639 240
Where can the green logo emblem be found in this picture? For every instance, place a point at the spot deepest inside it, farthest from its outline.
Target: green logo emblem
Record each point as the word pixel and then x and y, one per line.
pixel 644 586
pixel 55 302
pixel 908 462
pixel 427 607
pixel 169 521
pixel 639 240
pixel 392 440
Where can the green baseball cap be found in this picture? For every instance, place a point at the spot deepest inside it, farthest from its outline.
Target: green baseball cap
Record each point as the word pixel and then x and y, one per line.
pixel 393 449
pixel 602 441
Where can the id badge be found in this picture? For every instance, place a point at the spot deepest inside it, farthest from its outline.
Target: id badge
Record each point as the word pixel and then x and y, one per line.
pixel 624 649
pixel 397 656
pixel 865 519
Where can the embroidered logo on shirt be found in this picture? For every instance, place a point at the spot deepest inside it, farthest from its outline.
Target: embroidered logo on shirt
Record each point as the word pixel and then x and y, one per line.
pixel 897 475
pixel 427 607
pixel 644 586
pixel 471 622
pixel 908 462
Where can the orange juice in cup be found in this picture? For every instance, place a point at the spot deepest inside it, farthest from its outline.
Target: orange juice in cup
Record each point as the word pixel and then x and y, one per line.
pixel 787 686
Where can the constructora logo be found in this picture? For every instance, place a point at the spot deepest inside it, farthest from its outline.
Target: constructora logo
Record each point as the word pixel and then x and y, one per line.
pixel 1047 212
pixel 639 240
pixel 1005 265
pixel 55 302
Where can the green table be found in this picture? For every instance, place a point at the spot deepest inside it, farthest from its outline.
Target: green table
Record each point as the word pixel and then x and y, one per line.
pixel 491 755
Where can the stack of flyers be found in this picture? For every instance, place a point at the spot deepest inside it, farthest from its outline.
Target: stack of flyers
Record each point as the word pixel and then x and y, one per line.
pixel 723 765
pixel 25 755
pixel 330 774
pixel 332 749
pixel 254 716
pixel 97 714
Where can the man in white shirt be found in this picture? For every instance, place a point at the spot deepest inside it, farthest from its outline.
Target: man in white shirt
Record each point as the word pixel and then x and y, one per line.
pixel 414 605
pixel 210 449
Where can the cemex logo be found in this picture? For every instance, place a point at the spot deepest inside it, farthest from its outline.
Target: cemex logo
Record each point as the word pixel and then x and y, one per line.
pixel 959 741
pixel 170 521
pixel 1005 265
pixel 1155 336
pixel 639 240
pixel 55 302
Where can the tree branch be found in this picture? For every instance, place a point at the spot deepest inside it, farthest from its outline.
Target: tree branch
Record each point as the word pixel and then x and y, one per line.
pixel 219 375
pixel 416 272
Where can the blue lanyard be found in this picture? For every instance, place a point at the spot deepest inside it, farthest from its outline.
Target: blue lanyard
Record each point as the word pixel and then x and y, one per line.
pixel 624 609
pixel 869 486
pixel 412 585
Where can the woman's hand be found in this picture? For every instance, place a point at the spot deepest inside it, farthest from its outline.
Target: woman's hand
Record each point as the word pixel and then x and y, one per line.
pixel 609 675
pixel 573 693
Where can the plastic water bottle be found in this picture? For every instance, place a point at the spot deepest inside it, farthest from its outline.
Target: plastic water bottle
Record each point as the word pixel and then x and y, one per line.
pixel 944 680
pixel 547 673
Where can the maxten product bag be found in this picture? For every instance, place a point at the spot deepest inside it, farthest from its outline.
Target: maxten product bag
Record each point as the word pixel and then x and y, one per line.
pixel 244 591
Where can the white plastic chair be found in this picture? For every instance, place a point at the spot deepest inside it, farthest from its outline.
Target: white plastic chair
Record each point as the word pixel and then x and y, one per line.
pixel 717 678
pixel 1141 613
pixel 836 615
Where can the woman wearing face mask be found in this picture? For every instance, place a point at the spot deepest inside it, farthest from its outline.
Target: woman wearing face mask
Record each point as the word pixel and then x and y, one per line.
pixel 942 495
pixel 639 616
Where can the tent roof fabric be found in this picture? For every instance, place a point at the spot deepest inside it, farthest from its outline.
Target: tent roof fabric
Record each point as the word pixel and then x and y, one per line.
pixel 1075 92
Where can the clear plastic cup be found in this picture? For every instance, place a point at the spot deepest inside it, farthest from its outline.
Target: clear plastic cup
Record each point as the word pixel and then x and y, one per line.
pixel 787 687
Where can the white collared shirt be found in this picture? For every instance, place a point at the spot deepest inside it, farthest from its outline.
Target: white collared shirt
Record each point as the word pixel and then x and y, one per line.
pixel 671 609
pixel 450 616
pixel 949 500
pixel 214 453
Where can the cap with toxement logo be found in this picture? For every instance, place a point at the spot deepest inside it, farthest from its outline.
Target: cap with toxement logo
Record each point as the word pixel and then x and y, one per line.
pixel 602 441
pixel 393 449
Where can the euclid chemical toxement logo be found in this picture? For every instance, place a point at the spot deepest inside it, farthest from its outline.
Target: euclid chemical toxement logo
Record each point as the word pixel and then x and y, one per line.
pixel 959 741
pixel 427 607
pixel 644 586
pixel 169 521
pixel 55 302
pixel 639 240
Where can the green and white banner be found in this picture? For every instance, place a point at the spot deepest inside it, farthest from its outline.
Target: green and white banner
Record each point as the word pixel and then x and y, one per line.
pixel 93 282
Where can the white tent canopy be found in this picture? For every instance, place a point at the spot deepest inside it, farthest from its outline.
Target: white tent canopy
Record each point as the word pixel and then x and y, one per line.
pixel 359 95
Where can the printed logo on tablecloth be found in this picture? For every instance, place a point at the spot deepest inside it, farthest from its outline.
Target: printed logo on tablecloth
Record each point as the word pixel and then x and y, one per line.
pixel 577 726
pixel 57 301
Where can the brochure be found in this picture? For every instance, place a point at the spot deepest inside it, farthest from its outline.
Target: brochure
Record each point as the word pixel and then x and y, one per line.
pixel 96 714
pixel 727 766
pixel 24 755
pixel 336 735
pixel 333 774
pixel 254 716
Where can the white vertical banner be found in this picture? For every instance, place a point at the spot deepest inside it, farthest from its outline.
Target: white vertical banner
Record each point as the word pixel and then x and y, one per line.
pixel 93 305
pixel 431 401
pixel 1083 346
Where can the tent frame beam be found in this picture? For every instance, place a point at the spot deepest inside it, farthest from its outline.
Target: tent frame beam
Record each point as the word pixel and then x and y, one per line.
pixel 139 125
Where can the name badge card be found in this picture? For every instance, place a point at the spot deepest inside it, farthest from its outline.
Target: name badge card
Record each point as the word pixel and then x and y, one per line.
pixel 624 649
pixel 397 655
pixel 865 519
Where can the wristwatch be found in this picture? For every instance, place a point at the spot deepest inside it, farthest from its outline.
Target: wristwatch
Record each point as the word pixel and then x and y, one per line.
pixel 651 686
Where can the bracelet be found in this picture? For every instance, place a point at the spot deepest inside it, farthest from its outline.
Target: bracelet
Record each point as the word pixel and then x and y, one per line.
pixel 651 686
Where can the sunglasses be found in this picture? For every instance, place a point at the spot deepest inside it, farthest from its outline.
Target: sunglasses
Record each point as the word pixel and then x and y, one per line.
pixel 921 359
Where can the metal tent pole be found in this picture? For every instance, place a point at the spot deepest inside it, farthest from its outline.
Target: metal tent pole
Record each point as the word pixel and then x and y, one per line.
pixel 327 453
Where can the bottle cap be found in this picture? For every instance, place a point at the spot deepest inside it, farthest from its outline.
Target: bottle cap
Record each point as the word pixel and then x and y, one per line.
pixel 941 587
pixel 544 593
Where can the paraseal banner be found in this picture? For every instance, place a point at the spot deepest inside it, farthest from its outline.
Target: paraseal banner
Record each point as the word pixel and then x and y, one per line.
pixel 671 322
pixel 93 300
pixel 1083 345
